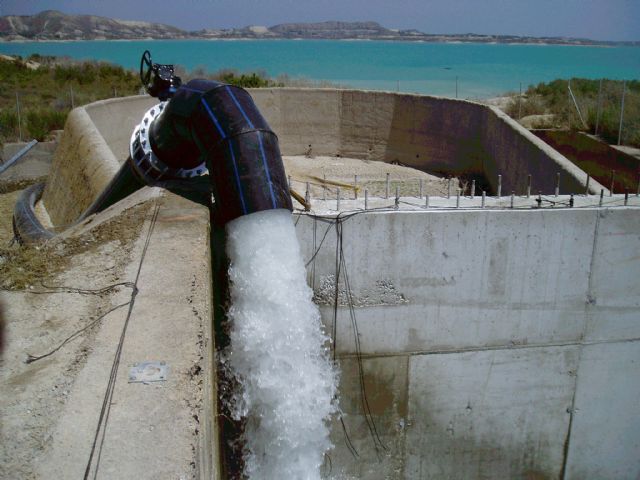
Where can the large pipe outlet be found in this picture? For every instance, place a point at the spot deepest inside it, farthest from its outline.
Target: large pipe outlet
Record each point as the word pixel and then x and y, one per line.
pixel 206 126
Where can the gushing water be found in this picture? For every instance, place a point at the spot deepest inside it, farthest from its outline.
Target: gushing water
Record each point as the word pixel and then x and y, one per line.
pixel 278 351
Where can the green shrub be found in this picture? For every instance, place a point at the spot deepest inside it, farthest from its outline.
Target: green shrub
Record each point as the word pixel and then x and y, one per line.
pixel 41 122
pixel 8 125
pixel 553 97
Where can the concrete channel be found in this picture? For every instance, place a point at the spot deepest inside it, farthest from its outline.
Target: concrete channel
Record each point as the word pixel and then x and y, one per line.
pixel 490 337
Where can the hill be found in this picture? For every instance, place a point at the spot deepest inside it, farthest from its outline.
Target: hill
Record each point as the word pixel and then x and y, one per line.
pixel 53 25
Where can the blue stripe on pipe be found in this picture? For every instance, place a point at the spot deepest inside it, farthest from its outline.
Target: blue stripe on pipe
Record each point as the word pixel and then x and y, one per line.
pixel 264 157
pixel 213 117
pixel 235 100
pixel 239 185
pixel 189 89
pixel 266 169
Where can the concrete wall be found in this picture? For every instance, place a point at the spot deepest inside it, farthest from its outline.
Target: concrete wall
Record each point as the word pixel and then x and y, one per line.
pixel 514 153
pixel 442 135
pixel 494 344
pixel 433 134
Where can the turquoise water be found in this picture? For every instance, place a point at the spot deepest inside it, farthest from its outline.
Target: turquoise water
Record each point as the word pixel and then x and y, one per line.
pixel 483 70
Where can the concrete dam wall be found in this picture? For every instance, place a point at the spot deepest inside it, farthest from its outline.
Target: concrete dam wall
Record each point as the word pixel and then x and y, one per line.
pixel 491 343
pixel 494 344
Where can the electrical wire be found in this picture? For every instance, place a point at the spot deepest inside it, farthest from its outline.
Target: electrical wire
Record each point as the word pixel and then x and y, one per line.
pixel 103 419
pixel 35 358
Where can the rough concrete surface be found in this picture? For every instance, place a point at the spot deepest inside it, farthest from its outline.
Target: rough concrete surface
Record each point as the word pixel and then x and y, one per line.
pixel 50 408
pixel 493 322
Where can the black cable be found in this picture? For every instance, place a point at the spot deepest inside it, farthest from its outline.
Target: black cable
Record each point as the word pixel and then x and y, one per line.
pixel 35 358
pixel 350 446
pixel 81 291
pixel 365 401
pixel 340 266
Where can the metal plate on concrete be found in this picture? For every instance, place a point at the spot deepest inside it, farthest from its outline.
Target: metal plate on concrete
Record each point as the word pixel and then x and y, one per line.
pixel 146 372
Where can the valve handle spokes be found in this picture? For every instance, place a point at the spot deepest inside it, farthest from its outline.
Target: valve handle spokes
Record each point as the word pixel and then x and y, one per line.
pixel 146 67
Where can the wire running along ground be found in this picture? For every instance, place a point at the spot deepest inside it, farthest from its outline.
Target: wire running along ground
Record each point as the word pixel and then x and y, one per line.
pixel 103 420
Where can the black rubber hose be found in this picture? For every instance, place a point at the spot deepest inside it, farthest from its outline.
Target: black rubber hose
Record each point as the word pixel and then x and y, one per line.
pixel 26 227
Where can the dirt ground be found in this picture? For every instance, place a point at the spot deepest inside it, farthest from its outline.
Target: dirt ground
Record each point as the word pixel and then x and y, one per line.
pixel 65 307
pixel 340 172
pixel 40 313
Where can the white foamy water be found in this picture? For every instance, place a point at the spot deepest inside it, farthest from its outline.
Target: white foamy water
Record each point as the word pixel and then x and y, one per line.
pixel 278 351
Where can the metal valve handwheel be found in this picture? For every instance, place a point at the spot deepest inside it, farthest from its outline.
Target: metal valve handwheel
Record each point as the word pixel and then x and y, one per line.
pixel 146 69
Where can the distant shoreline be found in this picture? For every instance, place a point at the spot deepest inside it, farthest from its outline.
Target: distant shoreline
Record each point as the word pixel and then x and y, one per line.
pixel 56 26
pixel 389 40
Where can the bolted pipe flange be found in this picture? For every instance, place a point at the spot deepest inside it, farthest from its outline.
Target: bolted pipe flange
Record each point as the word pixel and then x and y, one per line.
pixel 146 163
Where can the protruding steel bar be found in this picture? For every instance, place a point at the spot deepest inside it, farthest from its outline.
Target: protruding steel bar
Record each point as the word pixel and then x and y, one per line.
pixel 386 192
pixel 586 192
pixel 307 198
pixel 613 179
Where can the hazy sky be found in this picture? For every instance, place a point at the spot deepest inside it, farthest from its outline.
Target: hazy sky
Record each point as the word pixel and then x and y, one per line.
pixel 596 19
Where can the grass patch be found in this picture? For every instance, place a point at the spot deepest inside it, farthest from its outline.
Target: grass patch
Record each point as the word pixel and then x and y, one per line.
pixel 24 266
pixel 46 94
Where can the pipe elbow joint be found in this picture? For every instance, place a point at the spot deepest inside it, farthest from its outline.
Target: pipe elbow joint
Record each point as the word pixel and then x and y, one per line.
pixel 218 127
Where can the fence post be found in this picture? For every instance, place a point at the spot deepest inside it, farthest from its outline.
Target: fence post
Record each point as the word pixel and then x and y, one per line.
pixel 520 103
pixel 599 107
pixel 19 117
pixel 624 88
pixel 576 105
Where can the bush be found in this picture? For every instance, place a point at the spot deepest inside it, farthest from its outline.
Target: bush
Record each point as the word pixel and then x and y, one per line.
pixel 41 122
pixel 553 97
pixel 8 125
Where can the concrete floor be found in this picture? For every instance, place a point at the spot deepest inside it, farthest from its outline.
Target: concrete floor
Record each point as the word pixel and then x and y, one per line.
pixel 50 408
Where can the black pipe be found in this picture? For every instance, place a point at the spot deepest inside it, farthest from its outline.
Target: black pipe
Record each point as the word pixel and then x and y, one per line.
pixel 213 124
pixel 208 124
pixel 232 137
pixel 123 184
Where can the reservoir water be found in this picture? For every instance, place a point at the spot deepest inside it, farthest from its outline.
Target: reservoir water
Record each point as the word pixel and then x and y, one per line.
pixel 482 70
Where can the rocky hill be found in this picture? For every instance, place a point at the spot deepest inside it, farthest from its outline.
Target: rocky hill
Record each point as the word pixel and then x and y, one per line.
pixel 54 25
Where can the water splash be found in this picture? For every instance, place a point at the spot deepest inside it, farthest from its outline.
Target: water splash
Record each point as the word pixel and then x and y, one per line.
pixel 278 351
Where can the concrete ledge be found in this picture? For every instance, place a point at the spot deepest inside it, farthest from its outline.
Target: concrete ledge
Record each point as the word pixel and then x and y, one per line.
pixel 82 167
